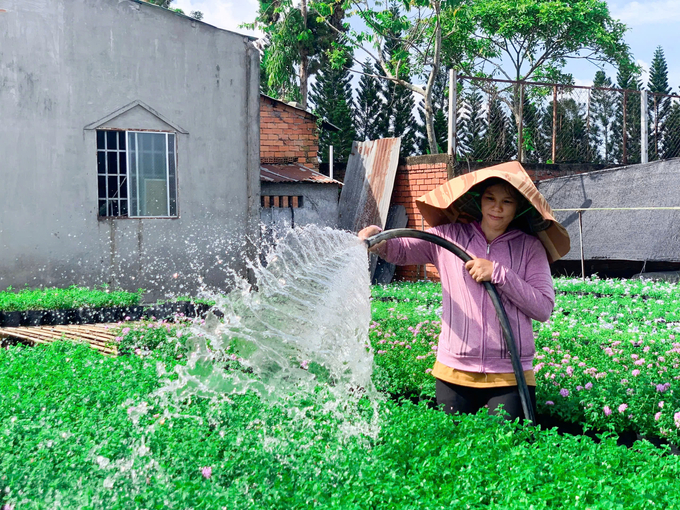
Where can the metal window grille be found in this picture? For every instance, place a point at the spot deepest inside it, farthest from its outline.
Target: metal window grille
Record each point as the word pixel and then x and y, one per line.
pixel 136 174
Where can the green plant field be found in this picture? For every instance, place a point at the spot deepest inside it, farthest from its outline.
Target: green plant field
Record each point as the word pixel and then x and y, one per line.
pixel 71 297
pixel 80 430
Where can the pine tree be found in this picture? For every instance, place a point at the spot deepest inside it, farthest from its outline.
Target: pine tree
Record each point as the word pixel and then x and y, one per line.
pixel 472 126
pixel 440 105
pixel 602 114
pixel 371 121
pixel 399 100
pixel 535 148
pixel 332 98
pixel 628 80
pixel 671 140
pixel 399 103
pixel 500 133
pixel 659 105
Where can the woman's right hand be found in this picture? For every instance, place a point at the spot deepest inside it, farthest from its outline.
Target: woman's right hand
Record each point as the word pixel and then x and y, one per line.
pixel 370 231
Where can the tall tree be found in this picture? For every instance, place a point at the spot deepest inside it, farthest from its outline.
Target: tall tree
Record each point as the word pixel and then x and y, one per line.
pixel 671 141
pixel 295 42
pixel 534 39
pixel 440 121
pixel 602 114
pixel 472 126
pixel 399 100
pixel 332 97
pixel 659 104
pixel 420 22
pixel 626 130
pixel 371 117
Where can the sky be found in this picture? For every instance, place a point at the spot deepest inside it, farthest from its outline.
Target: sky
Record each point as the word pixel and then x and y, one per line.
pixel 651 23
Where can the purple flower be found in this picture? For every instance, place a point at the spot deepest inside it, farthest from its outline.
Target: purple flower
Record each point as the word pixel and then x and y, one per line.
pixel 676 419
pixel 304 364
pixel 206 472
pixel 549 403
pixel 661 404
pixel 570 371
pixel 589 386
pixel 663 387
pixel 564 392
pixel 607 411
pixel 657 416
pixel 635 372
pixel 623 407
pixel 579 388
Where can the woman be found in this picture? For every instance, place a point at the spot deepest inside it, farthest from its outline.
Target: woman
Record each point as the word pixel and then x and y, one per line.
pixel 473 367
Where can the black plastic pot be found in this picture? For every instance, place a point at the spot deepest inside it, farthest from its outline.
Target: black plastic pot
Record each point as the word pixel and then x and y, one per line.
pixel 32 317
pixel 10 319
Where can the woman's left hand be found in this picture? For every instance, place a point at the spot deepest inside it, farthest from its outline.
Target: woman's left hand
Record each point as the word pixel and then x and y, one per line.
pixel 480 269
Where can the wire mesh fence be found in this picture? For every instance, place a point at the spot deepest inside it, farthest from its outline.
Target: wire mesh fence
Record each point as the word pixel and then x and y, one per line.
pixel 498 120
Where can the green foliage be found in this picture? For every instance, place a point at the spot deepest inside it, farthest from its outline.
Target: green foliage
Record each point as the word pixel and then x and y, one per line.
pixel 370 114
pixel 160 338
pixel 627 78
pixel 538 36
pixel 79 430
pixel 71 297
pixel 296 45
pixel 332 97
pixel 602 113
pixel 659 106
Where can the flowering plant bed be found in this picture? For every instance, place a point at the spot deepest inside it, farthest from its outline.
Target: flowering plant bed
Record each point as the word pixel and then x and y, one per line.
pixel 605 363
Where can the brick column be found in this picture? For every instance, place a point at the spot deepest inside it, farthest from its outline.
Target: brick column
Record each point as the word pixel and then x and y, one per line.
pixel 415 177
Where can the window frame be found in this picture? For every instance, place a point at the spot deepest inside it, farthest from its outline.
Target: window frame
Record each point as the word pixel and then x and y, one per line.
pixel 128 174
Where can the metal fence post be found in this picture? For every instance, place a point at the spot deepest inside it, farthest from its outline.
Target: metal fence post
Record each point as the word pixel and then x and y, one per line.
pixel 554 126
pixel 625 128
pixel 644 156
pixel 453 91
pixel 520 131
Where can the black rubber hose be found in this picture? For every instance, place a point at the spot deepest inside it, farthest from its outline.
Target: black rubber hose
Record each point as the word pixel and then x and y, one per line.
pixel 495 299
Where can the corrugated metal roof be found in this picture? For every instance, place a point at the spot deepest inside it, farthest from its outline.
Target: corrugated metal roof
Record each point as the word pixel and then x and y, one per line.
pixel 369 179
pixel 293 172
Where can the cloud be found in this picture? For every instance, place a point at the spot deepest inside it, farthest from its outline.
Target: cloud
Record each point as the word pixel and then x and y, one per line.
pixel 647 13
pixel 225 14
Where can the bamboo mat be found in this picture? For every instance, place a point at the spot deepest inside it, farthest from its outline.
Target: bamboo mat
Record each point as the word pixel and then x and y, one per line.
pixel 97 336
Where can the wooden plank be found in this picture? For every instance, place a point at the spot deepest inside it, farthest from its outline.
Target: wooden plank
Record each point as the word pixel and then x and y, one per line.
pixel 97 337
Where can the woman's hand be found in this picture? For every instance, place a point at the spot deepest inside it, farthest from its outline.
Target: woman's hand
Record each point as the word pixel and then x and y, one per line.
pixel 370 231
pixel 480 269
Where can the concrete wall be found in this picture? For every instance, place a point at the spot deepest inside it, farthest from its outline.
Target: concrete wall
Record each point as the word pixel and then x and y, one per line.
pixel 70 64
pixel 319 205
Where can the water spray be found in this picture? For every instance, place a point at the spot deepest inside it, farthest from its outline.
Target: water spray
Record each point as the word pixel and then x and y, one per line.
pixel 493 294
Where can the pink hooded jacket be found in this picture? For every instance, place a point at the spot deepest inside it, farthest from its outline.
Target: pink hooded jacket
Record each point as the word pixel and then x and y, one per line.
pixel 471 338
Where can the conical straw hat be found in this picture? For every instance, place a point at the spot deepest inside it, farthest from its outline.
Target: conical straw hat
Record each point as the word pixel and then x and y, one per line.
pixel 451 202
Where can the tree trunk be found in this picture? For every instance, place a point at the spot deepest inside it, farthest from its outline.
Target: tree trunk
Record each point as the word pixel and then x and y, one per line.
pixel 429 113
pixel 304 64
pixel 429 123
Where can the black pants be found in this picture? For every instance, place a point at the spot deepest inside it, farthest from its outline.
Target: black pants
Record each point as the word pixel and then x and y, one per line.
pixel 466 400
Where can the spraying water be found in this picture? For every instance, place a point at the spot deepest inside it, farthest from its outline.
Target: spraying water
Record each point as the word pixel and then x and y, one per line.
pixel 303 323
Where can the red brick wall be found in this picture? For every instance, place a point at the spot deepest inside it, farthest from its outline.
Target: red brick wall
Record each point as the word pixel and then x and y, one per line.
pixel 287 134
pixel 412 181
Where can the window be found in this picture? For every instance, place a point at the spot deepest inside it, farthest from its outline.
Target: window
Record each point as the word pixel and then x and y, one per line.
pixel 136 174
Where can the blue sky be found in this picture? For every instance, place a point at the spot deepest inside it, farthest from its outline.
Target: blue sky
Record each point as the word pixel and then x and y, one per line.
pixel 651 23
